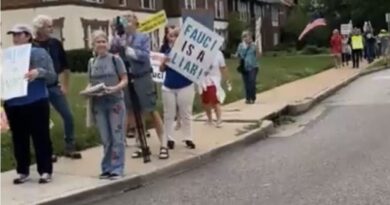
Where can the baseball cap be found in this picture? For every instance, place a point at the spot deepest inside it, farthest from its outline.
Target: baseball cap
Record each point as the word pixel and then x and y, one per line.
pixel 20 28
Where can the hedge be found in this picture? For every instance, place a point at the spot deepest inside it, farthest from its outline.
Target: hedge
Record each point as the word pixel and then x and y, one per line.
pixel 78 59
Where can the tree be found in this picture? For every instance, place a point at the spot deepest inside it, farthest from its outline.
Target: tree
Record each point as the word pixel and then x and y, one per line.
pixel 235 29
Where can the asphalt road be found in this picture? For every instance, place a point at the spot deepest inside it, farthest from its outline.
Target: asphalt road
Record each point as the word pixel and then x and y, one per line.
pixel 341 157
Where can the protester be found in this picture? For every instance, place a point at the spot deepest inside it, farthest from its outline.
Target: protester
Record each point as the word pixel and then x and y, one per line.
pixel 384 37
pixel 211 90
pixel 4 126
pixel 346 50
pixel 357 47
pixel 178 97
pixel 109 109
pixel 29 115
pixel 336 47
pixel 246 52
pixel 43 26
pixel 370 47
pixel 164 47
pixel 134 48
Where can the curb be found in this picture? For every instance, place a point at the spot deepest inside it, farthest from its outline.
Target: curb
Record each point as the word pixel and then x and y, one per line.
pixel 307 104
pixel 105 191
pixel 271 116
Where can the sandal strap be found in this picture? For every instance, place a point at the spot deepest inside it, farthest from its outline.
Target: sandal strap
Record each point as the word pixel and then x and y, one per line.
pixel 163 150
pixel 164 154
pixel 137 154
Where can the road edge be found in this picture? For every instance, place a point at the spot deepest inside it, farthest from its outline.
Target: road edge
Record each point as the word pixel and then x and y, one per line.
pixel 92 195
pixel 266 128
pixel 305 105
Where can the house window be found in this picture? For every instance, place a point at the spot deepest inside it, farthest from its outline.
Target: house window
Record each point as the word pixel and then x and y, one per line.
pixel 95 1
pixel 58 25
pixel 222 33
pixel 219 9
pixel 148 4
pixel 275 16
pixel 190 4
pixel 89 26
pixel 258 11
pixel 276 39
pixel 122 2
pixel 57 33
pixel 155 40
pixel 243 9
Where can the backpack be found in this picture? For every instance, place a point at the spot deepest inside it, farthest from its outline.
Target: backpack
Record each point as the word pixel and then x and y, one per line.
pixel 92 60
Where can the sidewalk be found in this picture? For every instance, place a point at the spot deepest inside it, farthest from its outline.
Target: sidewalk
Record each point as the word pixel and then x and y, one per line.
pixel 242 125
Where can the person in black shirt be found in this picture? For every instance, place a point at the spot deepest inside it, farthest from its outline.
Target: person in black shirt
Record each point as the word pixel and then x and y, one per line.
pixel 43 26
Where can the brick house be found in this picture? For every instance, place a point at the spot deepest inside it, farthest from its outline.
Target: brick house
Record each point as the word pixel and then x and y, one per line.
pixel 75 20
pixel 274 14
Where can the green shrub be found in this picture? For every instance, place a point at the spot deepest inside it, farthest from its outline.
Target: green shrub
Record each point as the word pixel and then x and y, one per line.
pixel 78 60
pixel 311 50
pixel 235 28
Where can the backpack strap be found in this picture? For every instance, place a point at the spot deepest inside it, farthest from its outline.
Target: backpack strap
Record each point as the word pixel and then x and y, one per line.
pixel 92 61
pixel 115 66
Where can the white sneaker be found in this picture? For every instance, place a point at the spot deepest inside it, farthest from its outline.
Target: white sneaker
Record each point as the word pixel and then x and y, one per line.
pixel 218 124
pixel 45 178
pixel 21 179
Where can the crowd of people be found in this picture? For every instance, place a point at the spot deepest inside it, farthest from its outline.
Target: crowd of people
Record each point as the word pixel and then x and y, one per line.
pixel 359 45
pixel 116 62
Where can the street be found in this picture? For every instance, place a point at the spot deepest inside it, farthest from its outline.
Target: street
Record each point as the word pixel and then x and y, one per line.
pixel 341 156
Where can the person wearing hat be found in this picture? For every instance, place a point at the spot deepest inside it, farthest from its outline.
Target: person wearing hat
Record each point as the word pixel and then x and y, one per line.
pixel 29 115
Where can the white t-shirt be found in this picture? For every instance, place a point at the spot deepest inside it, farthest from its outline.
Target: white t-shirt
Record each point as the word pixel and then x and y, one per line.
pixel 215 72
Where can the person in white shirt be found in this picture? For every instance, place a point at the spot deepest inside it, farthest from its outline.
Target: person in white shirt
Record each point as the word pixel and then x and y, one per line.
pixel 211 90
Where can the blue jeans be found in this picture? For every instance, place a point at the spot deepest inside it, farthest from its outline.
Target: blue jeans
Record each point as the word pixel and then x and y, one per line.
pixel 249 79
pixel 60 104
pixel 110 116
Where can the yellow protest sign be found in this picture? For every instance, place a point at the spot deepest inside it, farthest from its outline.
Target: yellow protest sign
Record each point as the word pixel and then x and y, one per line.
pixel 154 22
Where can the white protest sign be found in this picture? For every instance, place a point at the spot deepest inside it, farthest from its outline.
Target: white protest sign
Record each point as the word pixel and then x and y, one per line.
pixel 156 60
pixel 346 29
pixel 15 64
pixel 194 50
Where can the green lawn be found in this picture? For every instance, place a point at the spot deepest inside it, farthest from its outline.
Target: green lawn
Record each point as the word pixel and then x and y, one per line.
pixel 274 71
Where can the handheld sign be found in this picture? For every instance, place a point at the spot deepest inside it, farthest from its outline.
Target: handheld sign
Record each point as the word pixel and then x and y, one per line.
pixel 346 29
pixel 15 64
pixel 194 50
pixel 156 60
pixel 154 22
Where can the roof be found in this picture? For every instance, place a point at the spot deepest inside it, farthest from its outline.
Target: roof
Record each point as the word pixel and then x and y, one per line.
pixel 285 2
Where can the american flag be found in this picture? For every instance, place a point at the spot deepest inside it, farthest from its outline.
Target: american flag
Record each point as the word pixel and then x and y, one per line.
pixel 312 25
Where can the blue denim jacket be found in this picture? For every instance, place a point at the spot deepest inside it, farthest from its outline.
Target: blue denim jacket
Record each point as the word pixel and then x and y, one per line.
pixel 139 57
pixel 249 54
pixel 37 90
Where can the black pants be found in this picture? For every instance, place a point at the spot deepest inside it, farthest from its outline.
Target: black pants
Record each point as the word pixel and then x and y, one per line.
pixel 249 78
pixel 31 120
pixel 345 58
pixel 356 54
